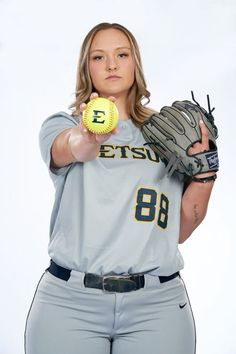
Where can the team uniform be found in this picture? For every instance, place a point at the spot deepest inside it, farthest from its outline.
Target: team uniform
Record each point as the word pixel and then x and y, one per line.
pixel 118 214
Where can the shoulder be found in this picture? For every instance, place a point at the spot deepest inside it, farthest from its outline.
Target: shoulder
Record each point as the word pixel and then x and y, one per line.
pixel 61 117
pixel 53 126
pixel 56 123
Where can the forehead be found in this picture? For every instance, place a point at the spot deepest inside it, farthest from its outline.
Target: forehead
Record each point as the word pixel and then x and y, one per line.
pixel 109 38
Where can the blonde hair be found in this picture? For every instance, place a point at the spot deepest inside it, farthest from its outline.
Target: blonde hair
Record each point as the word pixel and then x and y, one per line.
pixel 84 86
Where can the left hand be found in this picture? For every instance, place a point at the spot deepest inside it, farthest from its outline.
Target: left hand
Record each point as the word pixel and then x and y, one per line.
pixel 202 145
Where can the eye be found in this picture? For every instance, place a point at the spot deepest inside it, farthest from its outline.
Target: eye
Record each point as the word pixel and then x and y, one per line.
pixel 123 55
pixel 97 57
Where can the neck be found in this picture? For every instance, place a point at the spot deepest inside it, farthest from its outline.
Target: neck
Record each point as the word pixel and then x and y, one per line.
pixel 121 104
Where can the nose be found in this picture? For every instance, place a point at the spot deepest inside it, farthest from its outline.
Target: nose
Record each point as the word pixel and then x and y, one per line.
pixel 112 64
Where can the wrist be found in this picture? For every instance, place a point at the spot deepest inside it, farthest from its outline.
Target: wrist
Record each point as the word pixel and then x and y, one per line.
pixel 205 179
pixel 81 148
pixel 206 174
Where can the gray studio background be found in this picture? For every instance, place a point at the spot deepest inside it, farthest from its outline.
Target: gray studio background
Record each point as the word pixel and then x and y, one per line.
pixel 185 45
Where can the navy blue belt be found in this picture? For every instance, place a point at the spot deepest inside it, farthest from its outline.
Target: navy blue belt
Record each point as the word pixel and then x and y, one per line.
pixel 108 283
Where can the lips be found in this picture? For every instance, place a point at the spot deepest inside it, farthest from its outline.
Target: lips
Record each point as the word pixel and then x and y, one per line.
pixel 113 77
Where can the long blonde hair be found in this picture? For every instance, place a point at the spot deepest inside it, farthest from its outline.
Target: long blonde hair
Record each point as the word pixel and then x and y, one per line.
pixel 84 86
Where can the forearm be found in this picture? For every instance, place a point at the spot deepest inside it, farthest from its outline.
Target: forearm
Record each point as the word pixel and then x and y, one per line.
pixel 72 146
pixel 194 207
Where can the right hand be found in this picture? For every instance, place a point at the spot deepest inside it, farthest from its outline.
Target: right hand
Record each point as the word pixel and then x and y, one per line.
pixel 89 136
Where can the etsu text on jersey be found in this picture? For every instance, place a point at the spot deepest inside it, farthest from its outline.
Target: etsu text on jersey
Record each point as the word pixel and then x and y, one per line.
pixel 127 152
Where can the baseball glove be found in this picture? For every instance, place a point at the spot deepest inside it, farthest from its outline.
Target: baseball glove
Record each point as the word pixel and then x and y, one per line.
pixel 172 131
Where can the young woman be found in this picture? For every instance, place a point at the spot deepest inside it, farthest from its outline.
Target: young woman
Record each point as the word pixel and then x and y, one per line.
pixel 113 285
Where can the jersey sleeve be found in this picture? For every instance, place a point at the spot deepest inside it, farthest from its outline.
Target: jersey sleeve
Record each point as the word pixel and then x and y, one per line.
pixel 50 129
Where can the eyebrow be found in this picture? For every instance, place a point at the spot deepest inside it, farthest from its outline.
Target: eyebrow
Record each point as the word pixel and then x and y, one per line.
pixel 101 50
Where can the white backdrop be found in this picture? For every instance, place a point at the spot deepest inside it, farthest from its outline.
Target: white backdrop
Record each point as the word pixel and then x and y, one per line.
pixel 185 45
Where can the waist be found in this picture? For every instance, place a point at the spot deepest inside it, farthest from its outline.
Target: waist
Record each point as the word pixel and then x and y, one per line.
pixel 110 282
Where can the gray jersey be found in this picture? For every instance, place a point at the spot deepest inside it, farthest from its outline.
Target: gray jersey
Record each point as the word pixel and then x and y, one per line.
pixel 118 213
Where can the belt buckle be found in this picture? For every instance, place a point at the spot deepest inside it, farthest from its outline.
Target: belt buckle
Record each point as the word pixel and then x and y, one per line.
pixel 105 277
pixel 122 279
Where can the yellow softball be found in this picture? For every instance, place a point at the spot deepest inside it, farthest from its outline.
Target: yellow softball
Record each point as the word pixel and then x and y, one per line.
pixel 100 116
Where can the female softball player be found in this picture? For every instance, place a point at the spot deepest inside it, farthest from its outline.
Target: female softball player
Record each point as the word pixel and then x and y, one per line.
pixel 113 284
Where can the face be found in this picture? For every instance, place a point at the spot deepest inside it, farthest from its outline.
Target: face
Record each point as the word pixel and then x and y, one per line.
pixel 111 64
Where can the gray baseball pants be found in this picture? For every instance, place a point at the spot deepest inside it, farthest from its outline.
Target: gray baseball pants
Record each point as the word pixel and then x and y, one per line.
pixel 67 318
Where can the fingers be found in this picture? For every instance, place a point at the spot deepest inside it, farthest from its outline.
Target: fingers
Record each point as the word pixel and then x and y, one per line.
pixel 112 98
pixel 204 133
pixel 84 131
pixel 195 149
pixel 83 105
pixel 93 95
pixel 202 145
pixel 115 131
